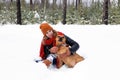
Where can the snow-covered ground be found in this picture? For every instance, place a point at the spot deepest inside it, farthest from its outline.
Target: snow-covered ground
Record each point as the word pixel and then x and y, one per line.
pixel 99 44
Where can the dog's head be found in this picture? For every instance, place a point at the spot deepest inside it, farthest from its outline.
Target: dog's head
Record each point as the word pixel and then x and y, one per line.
pixel 60 39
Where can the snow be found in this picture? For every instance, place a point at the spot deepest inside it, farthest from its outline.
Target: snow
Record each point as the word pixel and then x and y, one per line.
pixel 36 15
pixel 99 44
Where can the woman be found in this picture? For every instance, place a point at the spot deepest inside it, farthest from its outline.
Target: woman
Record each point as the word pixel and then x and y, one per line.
pixel 48 48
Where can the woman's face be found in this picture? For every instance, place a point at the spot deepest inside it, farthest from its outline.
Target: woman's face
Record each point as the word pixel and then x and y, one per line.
pixel 49 34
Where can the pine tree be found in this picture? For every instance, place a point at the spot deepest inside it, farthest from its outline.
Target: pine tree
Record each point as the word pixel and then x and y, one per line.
pixel 119 4
pixel 105 11
pixel 54 3
pixel 23 4
pixel 19 12
pixel 64 11
pixel 78 1
pixel 44 9
pixel 76 5
pixel 31 5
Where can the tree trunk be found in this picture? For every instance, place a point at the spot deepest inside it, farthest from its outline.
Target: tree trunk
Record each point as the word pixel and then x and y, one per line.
pixel 47 4
pixel 93 1
pixel 18 12
pixel 44 9
pixel 64 11
pixel 76 5
pixel 60 4
pixel 78 1
pixel 118 3
pixel 54 4
pixel 31 5
pixel 105 12
pixel 42 3
pixel 23 4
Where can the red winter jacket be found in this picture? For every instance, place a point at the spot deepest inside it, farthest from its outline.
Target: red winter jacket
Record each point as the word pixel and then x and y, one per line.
pixel 50 42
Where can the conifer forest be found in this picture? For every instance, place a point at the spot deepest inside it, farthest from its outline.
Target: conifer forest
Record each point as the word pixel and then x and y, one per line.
pixel 83 12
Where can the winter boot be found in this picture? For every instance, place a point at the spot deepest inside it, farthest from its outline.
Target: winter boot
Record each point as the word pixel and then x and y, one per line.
pixel 59 63
pixel 47 62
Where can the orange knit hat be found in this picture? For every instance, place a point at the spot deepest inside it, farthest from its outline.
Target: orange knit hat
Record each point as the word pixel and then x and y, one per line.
pixel 45 27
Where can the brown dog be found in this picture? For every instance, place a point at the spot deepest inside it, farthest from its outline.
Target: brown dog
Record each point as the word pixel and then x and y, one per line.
pixel 63 53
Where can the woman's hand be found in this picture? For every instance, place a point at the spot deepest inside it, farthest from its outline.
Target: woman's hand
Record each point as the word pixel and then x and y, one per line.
pixel 54 49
